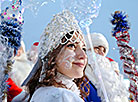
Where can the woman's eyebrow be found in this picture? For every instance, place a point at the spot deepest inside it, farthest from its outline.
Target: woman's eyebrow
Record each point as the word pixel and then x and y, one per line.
pixel 76 42
pixel 79 42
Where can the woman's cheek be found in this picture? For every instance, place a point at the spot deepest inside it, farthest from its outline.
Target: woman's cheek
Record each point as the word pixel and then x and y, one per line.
pixel 68 58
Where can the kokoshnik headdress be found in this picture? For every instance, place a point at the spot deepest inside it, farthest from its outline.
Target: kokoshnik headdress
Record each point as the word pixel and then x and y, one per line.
pixel 61 25
pixel 11 22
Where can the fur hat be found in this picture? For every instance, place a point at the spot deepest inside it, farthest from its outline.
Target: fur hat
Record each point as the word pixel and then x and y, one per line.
pixel 98 40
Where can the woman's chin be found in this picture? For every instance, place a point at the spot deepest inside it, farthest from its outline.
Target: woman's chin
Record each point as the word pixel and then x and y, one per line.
pixel 79 76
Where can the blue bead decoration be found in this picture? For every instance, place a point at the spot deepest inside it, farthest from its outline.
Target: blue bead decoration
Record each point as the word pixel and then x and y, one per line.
pixel 114 34
pixel 13 15
pixel 7 8
pixel 2 17
pixel 13 35
pixel 15 19
pixel 119 21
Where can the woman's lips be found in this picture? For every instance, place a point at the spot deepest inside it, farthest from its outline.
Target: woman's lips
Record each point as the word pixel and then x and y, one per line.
pixel 79 64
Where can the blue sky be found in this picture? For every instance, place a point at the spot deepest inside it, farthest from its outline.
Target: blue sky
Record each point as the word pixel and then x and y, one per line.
pixel 35 24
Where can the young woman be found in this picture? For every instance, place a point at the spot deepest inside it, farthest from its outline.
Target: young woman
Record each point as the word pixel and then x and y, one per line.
pixel 59 71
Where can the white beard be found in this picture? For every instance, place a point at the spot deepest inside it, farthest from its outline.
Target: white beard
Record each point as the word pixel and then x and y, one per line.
pixel 20 69
pixel 115 88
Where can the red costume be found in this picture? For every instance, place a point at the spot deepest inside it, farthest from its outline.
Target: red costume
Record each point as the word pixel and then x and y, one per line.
pixel 13 90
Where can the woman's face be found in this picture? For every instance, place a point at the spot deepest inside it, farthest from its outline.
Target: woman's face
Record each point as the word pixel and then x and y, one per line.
pixel 72 58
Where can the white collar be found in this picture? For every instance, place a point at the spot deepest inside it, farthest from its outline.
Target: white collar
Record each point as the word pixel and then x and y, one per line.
pixel 68 82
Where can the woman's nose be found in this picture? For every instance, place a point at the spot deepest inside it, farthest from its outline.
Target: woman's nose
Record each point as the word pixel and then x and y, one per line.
pixel 81 54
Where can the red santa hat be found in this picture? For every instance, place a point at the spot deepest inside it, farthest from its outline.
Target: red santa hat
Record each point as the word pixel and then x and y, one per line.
pixel 36 43
pixel 34 47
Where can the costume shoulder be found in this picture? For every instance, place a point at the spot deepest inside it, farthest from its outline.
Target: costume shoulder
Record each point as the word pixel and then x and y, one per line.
pixel 53 94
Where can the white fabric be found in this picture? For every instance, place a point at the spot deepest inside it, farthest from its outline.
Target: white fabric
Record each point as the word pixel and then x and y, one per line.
pixel 115 88
pixel 115 66
pixel 20 69
pixel 127 83
pixel 53 94
pixel 68 82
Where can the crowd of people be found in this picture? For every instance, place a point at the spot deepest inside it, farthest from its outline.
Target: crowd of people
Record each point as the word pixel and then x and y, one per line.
pixel 62 67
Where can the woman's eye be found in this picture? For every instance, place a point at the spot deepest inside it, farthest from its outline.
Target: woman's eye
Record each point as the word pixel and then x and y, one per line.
pixel 71 46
